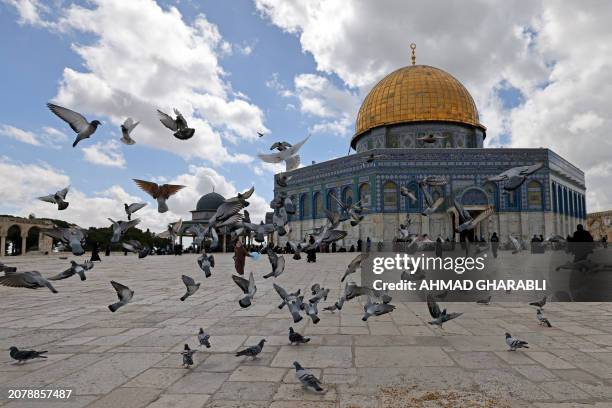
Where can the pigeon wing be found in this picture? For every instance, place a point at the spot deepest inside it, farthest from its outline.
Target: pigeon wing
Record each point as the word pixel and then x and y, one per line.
pixel 48 198
pixel 484 215
pixel 281 291
pixel 242 283
pixel 270 158
pixel 120 289
pixel 170 189
pixel 148 187
pixel 296 147
pixel 62 193
pixel 188 281
pixel 292 163
pixel 432 305
pixel 167 121
pixel 76 121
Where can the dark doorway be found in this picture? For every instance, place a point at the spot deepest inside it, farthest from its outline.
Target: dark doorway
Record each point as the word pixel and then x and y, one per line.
pixel 32 241
pixel 13 241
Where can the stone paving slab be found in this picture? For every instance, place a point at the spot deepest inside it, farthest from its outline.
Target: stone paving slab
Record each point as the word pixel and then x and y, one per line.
pixel 131 358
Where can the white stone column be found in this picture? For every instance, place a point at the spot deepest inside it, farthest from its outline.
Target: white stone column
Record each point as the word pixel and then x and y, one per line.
pixel 23 245
pixel 2 245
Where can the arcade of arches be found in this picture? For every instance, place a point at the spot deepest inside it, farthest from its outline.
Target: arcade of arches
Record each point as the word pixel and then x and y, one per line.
pixel 19 236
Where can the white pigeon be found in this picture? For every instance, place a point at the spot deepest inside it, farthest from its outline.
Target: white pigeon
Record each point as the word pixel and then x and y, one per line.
pixel 288 155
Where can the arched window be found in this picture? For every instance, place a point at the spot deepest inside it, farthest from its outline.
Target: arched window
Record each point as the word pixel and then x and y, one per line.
pixel 364 195
pixel 317 205
pixel 492 193
pixel 513 198
pixel 390 202
pixel 304 206
pixel 347 196
pixel 331 204
pixel 410 203
pixel 534 195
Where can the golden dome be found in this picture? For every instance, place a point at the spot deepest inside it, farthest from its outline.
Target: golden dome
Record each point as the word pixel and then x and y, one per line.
pixel 416 93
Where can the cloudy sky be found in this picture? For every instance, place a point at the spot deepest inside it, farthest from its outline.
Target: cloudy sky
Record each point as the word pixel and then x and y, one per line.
pixel 540 72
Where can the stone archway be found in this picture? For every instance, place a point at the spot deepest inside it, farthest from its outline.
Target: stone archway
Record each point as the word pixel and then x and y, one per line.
pixel 13 241
pixel 19 235
pixel 33 239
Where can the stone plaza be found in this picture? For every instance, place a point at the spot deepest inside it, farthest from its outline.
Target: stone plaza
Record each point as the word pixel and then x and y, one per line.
pixel 131 358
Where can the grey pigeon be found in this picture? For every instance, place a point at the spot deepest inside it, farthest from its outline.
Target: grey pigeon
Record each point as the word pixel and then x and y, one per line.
pixel 352 212
pixel 407 193
pixel 58 198
pixel 172 231
pixel 75 269
pixel 135 246
pixel 513 178
pixel 288 155
pixel 252 351
pixel 204 338
pixel 282 180
pixel 191 286
pixel 440 317
pixel 261 230
pixel 178 125
pixel 431 138
pixel 24 355
pixel 120 227
pixel 297 338
pixel 353 265
pixel 296 247
pixel 375 309
pixel 126 131
pixel 29 279
pixel 542 319
pixel 540 303
pixel 230 207
pixel 292 300
pixel 280 146
pixel 124 294
pixel 311 310
pixel 515 343
pixel 432 205
pixel 466 222
pixel 160 193
pixel 484 301
pixel 205 262
pixel 308 380
pixel 77 122
pixel 187 354
pixel 132 208
pixel 516 245
pixel 248 288
pixel 435 180
pixel 4 268
pixel 72 236
pixel 371 158
pixel 319 294
pixel 277 263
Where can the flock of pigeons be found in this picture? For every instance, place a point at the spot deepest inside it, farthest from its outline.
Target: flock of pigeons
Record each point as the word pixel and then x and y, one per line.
pixel 231 215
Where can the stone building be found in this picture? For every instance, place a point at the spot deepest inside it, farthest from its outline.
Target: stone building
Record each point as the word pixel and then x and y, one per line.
pixel 599 225
pixel 417 101
pixel 205 208
pixel 19 236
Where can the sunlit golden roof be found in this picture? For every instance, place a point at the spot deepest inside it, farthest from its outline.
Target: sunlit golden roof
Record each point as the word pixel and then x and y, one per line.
pixel 416 93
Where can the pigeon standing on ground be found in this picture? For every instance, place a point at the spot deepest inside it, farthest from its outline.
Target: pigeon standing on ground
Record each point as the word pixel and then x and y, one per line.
pixel 75 269
pixel 288 155
pixel 120 227
pixel 205 262
pixel 514 177
pixel 248 288
pixel 126 130
pixel 178 125
pixel 58 198
pixel 29 279
pixel 187 354
pixel 353 265
pixel 539 303
pixel 132 208
pixel 297 338
pixel 440 317
pixel 204 338
pixel 277 263
pixel 160 193
pixel 124 294
pixel 308 380
pixel 77 122
pixel 252 351
pixel 542 319
pixel 24 355
pixel 515 343
pixel 191 286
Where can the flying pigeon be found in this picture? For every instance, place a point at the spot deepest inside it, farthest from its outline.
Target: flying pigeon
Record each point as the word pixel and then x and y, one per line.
pixel 75 269
pixel 440 317
pixel 515 343
pixel 132 208
pixel 178 125
pixel 248 288
pixel 57 198
pixel 540 303
pixel 205 262
pixel 485 301
pixel 282 179
pixel 260 134
pixel 231 206
pixel 407 193
pixel 172 231
pixel 353 265
pixel 277 263
pixel 120 227
pixel 191 286
pixel 261 230
pixel 77 122
pixel 136 247
pixel 296 247
pixel 29 279
pixel 432 205
pixel 515 244
pixel 431 138
pixel 292 300
pixel 252 351
pixel 466 222
pixel 126 129
pixel 435 180
pixel 326 236
pixel 513 178
pixel 311 310
pixel 375 309
pixel 24 355
pixel 371 158
pixel 280 146
pixel 288 155
pixel 124 294
pixel 297 338
pixel 308 380
pixel 72 236
pixel 160 193
pixel 353 211
pixel 4 268
pixel 204 338
pixel 187 354
pixel 319 294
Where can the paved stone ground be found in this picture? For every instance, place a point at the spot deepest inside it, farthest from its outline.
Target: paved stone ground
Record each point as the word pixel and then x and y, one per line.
pixel 131 358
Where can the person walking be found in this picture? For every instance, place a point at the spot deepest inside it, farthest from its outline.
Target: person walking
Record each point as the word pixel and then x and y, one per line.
pixel 494 244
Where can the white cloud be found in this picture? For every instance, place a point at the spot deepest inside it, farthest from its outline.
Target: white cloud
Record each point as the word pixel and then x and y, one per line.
pixel 30 11
pixel 106 153
pixel 19 134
